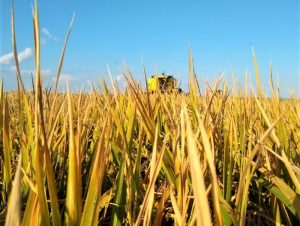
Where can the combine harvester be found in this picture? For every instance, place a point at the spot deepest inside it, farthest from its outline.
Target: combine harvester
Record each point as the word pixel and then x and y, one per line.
pixel 163 83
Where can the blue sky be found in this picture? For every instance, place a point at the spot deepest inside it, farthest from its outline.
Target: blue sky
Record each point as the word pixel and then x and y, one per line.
pixel 159 32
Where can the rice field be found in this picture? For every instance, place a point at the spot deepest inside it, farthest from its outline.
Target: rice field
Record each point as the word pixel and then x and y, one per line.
pixel 127 157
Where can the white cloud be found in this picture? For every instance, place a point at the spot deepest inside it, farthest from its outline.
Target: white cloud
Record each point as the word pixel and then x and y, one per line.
pixel 43 41
pixel 64 77
pixel 26 54
pixel 7 58
pixel 118 78
pixel 44 72
pixel 22 56
pixel 47 33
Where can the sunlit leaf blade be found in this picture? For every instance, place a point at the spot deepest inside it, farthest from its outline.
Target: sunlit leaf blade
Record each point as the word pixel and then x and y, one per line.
pixel 63 54
pixel 15 51
pixel 71 212
pixel 199 190
pixel 37 156
pixel 6 146
pixel 13 216
pixel 257 74
pixel 97 171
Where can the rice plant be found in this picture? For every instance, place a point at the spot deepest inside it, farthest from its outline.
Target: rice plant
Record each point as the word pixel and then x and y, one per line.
pixel 128 157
